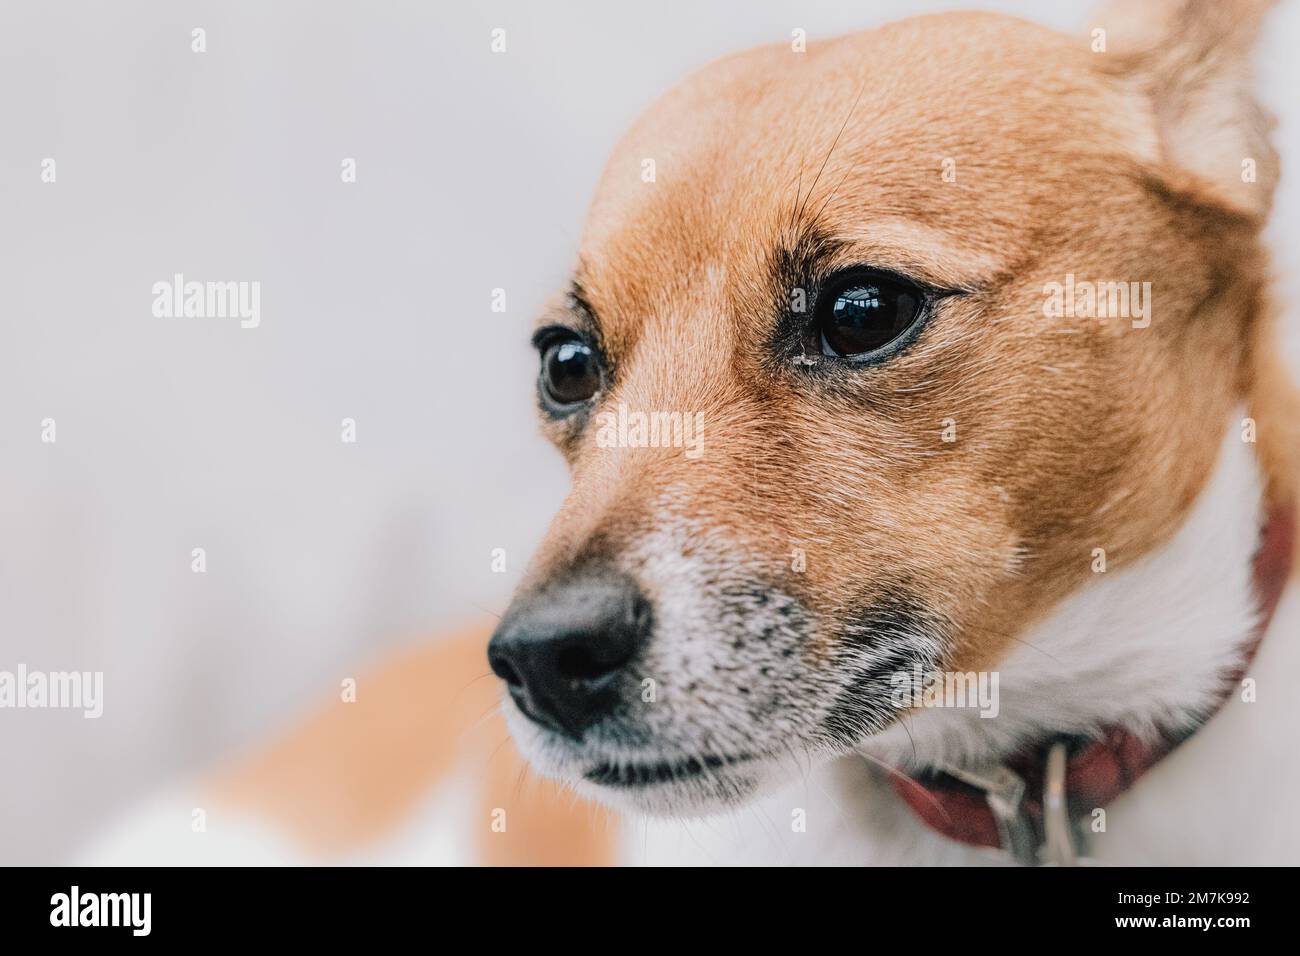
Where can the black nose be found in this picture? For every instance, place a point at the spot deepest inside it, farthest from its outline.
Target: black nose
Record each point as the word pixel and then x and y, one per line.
pixel 563 649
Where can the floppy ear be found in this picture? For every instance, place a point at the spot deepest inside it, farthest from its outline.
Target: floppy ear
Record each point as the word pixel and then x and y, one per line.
pixel 1191 58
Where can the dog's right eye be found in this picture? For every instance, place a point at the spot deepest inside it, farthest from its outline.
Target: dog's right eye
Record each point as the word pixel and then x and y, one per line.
pixel 570 371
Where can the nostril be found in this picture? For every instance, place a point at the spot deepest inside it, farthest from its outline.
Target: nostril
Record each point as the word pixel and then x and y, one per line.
pixel 505 670
pixel 577 662
pixel 510 676
pixel 591 655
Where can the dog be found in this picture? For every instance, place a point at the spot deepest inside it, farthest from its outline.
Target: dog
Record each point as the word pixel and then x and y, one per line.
pixel 935 356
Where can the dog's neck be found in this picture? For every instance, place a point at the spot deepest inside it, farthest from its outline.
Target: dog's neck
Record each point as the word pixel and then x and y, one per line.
pixel 1140 648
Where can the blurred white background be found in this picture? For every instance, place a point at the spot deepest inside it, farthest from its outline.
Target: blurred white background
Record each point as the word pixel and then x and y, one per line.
pixel 474 171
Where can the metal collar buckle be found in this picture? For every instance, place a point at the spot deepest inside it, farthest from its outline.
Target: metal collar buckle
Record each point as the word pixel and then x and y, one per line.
pixel 1004 789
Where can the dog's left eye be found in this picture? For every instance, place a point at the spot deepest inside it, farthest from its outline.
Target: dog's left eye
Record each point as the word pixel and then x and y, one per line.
pixel 860 313
pixel 570 370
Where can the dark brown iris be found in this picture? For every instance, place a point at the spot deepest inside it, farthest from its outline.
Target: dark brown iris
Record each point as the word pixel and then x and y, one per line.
pixel 860 314
pixel 570 372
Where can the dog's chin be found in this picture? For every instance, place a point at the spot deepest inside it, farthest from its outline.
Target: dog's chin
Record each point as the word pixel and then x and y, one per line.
pixel 643 780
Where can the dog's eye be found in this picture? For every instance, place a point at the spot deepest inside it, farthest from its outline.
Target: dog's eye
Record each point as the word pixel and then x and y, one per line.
pixel 861 313
pixel 570 371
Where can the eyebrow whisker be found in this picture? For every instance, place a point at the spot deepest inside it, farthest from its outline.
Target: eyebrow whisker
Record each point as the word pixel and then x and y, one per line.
pixel 833 193
pixel 835 142
pixel 794 208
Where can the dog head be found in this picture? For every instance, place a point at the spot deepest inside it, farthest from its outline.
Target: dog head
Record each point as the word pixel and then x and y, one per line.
pixel 833 396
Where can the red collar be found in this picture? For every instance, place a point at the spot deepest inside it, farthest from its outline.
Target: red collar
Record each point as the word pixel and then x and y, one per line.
pixel 1097 770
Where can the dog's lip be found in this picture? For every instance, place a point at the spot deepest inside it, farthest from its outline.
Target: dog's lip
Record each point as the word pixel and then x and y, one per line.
pixel 633 774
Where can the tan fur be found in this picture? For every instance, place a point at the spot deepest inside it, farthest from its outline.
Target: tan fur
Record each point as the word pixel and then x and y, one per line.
pixel 354 771
pixel 1073 434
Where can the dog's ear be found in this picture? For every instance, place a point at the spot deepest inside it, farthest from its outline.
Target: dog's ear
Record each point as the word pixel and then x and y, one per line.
pixel 1191 59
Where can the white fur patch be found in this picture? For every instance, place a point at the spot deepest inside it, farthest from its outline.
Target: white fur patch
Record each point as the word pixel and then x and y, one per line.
pixel 1138 647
